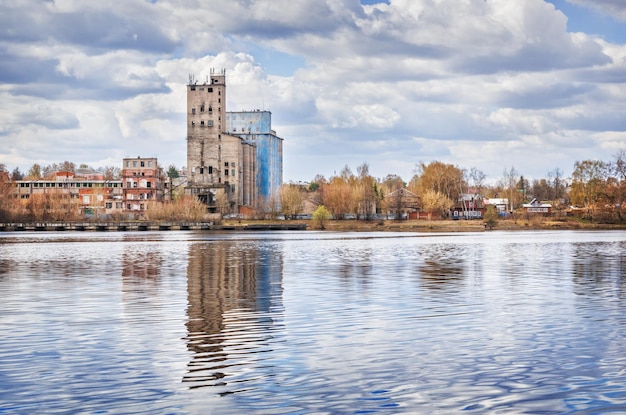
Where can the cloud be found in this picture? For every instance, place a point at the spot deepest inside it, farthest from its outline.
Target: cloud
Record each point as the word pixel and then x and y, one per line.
pixel 476 83
pixel 616 8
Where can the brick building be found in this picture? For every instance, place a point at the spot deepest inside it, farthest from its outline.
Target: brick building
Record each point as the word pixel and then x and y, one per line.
pixel 142 182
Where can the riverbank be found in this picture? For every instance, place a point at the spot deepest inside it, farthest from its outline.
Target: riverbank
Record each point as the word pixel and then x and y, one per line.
pixel 331 225
pixel 444 225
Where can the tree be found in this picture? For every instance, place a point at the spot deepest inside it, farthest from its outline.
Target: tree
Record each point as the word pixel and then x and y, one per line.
pixel 491 216
pixel 112 173
pixel 588 184
pixel 436 202
pixel 34 173
pixel 510 182
pixel 172 172
pixel 321 215
pixel 442 178
pixel 366 196
pixel 338 197
pixel 291 200
pixel 17 174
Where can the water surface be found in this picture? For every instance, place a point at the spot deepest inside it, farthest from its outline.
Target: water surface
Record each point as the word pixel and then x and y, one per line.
pixel 313 322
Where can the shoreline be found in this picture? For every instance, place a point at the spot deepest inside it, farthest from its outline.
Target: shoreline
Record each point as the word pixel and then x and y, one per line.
pixel 420 225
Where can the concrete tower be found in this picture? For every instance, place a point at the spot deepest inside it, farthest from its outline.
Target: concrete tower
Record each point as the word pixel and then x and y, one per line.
pixel 221 168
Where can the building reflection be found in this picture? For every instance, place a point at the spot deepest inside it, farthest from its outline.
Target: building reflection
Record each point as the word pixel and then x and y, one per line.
pixel 234 292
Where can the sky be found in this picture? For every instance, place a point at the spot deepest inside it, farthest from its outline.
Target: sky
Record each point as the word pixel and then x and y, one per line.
pixel 533 85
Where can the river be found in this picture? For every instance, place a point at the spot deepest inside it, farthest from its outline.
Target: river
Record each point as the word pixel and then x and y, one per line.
pixel 313 322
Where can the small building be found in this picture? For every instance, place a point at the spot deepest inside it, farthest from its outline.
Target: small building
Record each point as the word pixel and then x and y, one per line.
pixel 538 208
pixel 470 206
pixel 403 203
pixel 142 182
pixel 501 204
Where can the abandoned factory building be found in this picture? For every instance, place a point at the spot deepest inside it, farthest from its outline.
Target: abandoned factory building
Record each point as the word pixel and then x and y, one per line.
pixel 234 159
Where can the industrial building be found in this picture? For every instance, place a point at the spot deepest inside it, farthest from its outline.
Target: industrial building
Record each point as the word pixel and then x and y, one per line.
pixel 255 127
pixel 230 169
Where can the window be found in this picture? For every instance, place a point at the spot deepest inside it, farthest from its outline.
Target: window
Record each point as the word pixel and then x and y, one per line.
pixel 209 89
pixel 128 206
pixel 148 184
pixel 202 108
pixel 225 164
pixel 143 164
pixel 193 88
pixel 225 172
pixel 201 170
pixel 118 205
pixel 149 163
pixel 232 164
pixel 210 169
pixel 232 188
pixel 202 123
pixel 128 164
pixel 210 123
pixel 135 185
pixel 128 185
pixel 232 172
pixel 219 100
pixel 134 164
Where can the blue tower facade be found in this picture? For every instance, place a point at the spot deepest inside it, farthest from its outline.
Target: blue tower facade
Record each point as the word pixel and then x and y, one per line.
pixel 255 127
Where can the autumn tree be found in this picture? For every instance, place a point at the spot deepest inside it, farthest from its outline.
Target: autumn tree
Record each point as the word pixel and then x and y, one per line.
pixel 436 202
pixel 337 195
pixel 34 173
pixel 440 178
pixel 588 184
pixel 292 199
pixel 367 194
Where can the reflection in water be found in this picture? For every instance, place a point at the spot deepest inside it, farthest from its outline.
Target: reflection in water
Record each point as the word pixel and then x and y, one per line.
pixel 299 323
pixel 232 288
pixel 442 266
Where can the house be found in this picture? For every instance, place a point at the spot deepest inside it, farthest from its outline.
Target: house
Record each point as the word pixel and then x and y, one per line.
pixel 537 207
pixel 470 206
pixel 501 204
pixel 403 203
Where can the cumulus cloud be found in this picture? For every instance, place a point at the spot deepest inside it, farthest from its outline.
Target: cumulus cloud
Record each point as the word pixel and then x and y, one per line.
pixel 476 83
